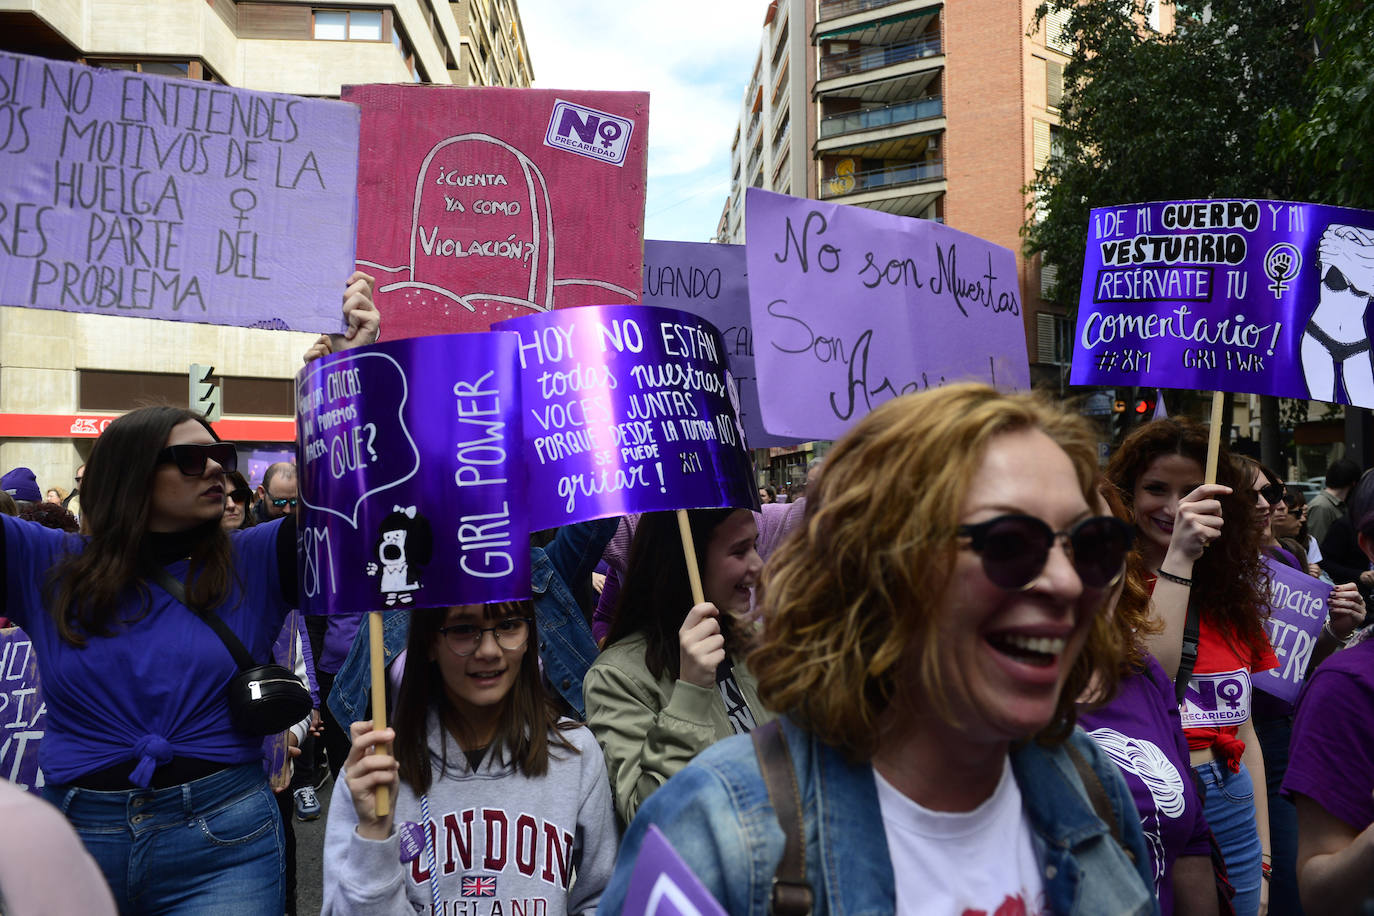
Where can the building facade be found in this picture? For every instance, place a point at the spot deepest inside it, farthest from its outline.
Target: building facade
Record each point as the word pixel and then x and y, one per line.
pixel 64 375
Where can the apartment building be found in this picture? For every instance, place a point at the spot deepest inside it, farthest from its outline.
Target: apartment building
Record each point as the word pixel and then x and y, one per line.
pixel 63 375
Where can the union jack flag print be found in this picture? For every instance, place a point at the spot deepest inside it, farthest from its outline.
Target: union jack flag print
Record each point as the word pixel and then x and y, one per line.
pixel 479 885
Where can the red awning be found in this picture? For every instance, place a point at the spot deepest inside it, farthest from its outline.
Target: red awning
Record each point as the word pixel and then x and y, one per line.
pixel 88 426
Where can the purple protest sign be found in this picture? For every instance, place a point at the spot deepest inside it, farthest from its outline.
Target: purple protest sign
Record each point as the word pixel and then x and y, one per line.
pixel 662 884
pixel 127 194
pixel 628 408
pixel 852 307
pixel 1297 610
pixel 1254 296
pixel 22 710
pixel 410 479
pixel 710 280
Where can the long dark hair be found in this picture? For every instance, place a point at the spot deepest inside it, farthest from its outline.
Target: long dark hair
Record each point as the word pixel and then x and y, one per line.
pixel 657 594
pixel 89 592
pixel 529 726
pixel 1229 582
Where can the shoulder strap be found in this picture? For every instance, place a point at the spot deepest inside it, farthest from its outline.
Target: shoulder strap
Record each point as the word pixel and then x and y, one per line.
pixel 1097 794
pixel 1188 659
pixel 177 590
pixel 792 896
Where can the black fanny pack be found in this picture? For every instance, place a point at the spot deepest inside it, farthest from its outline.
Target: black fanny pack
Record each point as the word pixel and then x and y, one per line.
pixel 263 699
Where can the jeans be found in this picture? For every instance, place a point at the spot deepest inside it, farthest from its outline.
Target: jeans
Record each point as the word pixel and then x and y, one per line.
pixel 213 845
pixel 1230 808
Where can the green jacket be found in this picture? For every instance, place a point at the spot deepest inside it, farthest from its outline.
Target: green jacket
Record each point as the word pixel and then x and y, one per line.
pixel 649 728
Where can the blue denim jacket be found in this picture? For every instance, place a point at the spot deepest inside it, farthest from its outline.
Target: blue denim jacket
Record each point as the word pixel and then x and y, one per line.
pixel 717 815
pixel 566 646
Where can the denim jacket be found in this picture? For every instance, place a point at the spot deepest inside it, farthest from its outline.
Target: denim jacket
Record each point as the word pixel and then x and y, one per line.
pixel 566 647
pixel 717 815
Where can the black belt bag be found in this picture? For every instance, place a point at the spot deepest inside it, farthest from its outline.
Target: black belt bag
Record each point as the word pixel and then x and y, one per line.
pixel 263 699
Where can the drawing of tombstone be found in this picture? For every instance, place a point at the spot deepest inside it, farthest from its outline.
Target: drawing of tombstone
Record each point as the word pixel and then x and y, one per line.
pixel 481 227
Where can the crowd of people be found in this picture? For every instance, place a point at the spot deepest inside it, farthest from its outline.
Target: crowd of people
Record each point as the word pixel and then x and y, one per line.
pixel 965 672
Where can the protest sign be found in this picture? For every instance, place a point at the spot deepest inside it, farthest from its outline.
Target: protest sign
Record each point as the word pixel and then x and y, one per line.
pixel 852 307
pixel 628 409
pixel 710 280
pixel 481 204
pixel 126 194
pixel 1297 611
pixel 22 710
pixel 1253 296
pixel 662 884
pixel 410 481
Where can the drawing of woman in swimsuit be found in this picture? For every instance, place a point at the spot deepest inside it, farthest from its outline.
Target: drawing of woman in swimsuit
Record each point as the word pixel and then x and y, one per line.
pixel 1335 343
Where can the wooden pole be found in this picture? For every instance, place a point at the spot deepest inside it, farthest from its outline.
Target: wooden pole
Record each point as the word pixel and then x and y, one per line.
pixel 684 527
pixel 374 624
pixel 1214 436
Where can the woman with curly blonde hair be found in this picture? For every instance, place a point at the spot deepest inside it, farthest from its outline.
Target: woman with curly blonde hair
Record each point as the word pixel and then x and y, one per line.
pixel 928 630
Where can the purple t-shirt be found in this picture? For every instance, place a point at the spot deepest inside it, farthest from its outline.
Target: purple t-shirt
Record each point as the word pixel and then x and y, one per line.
pixel 1331 759
pixel 158 687
pixel 1140 730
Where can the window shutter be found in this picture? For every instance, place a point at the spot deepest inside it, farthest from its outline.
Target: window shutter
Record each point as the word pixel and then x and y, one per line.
pixel 1057 31
pixel 1040 143
pixel 1044 337
pixel 1054 83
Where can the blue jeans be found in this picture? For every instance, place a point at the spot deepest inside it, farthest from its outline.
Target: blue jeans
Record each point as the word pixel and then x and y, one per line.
pixel 1230 809
pixel 213 845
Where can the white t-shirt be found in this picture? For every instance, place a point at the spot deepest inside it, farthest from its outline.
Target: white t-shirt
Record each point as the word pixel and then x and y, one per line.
pixel 973 863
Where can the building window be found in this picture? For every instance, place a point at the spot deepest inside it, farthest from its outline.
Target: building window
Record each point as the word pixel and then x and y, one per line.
pixel 1054 339
pixel 348 25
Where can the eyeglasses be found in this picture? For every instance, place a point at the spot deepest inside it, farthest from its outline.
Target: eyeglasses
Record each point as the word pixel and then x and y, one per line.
pixel 464 638
pixel 281 502
pixel 191 459
pixel 1015 548
pixel 241 496
pixel 1272 493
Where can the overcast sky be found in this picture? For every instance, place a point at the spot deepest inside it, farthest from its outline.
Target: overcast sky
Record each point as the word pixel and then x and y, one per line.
pixel 695 61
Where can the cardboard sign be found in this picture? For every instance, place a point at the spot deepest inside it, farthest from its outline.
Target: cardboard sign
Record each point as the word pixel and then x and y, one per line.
pixel 22 710
pixel 482 204
pixel 628 408
pixel 710 280
pixel 852 307
pixel 1254 296
pixel 126 194
pixel 662 884
pixel 410 480
pixel 1297 611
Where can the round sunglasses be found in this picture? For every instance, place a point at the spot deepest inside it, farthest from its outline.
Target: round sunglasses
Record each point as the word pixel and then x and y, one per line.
pixel 191 459
pixel 1015 549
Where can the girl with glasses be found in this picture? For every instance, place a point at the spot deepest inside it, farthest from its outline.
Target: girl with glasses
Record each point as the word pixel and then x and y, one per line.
pixel 926 631
pixel 519 796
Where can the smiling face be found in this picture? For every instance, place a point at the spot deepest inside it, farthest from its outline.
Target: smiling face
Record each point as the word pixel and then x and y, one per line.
pixel 732 563
pixel 477 685
pixel 1165 481
pixel 1005 655
pixel 180 501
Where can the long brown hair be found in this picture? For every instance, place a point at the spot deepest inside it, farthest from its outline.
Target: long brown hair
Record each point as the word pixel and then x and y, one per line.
pixel 91 592
pixel 529 725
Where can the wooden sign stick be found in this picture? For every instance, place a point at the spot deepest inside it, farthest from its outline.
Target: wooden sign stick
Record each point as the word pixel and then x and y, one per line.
pixel 684 526
pixel 374 624
pixel 1214 437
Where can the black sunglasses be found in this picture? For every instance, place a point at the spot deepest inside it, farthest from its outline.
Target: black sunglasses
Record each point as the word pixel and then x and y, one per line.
pixel 191 459
pixel 1015 548
pixel 1272 493
pixel 241 496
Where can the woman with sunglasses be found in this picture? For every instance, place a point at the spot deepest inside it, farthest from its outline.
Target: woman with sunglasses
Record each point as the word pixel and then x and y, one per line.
pixel 519 797
pixel 139 752
pixel 237 502
pixel 927 630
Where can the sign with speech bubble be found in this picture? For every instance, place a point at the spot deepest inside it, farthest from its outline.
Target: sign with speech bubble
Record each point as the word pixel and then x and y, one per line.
pixel 1254 296
pixel 1297 611
pixel 852 307
pixel 411 485
pixel 155 197
pixel 663 885
pixel 22 711
pixel 628 408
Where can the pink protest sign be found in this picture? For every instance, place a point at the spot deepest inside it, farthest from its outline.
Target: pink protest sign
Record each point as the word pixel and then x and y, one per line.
pixel 852 307
pixel 482 204
pixel 1297 610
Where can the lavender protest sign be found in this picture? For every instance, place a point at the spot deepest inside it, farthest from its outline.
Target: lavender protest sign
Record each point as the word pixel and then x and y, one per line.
pixel 662 884
pixel 22 710
pixel 628 408
pixel 1297 610
pixel 852 307
pixel 410 480
pixel 127 194
pixel 1255 296
pixel 710 280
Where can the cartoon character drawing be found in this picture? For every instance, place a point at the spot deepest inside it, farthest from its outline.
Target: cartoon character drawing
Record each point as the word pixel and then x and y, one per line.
pixel 405 543
pixel 1335 343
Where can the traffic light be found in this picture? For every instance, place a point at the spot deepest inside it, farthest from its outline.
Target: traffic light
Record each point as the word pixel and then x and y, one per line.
pixel 205 394
pixel 1144 406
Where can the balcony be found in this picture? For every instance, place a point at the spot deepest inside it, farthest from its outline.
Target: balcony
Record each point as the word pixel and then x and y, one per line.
pixel 834 9
pixel 887 116
pixel 875 57
pixel 780 138
pixel 881 179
